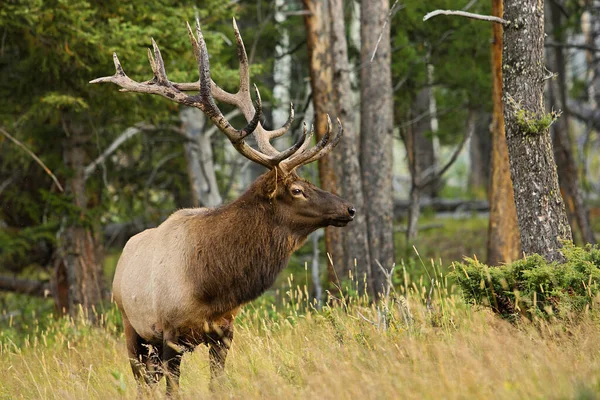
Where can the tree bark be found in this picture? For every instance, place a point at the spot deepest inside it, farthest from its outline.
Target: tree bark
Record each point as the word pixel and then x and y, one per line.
pixel 480 153
pixel 318 44
pixel 567 169
pixel 79 247
pixel 422 141
pixel 541 214
pixel 354 236
pixel 503 230
pixel 199 159
pixel 376 136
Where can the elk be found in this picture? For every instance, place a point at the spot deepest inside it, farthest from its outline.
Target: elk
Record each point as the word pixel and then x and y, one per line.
pixel 182 283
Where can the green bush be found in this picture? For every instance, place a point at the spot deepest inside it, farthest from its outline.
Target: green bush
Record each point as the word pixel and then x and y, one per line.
pixel 534 288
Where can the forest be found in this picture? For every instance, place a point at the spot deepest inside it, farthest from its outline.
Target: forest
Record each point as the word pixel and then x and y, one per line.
pixel 387 198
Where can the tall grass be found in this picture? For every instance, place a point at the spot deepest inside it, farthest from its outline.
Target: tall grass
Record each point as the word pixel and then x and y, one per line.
pixel 420 341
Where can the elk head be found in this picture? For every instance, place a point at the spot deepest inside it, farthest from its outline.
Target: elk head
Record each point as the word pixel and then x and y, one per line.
pixel 299 202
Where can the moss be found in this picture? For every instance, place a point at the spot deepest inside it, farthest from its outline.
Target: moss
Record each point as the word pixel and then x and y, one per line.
pixel 531 124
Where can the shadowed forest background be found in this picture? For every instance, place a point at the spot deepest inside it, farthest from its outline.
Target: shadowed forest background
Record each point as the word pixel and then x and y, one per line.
pixel 424 159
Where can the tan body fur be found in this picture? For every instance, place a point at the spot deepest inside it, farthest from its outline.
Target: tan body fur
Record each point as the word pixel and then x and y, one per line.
pixel 200 266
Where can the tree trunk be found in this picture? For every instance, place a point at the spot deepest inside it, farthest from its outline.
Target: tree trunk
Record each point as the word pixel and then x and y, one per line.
pixel 80 249
pixel 414 211
pixel 422 141
pixel 354 236
pixel 199 159
pixel 376 136
pixel 480 153
pixel 318 44
pixel 567 169
pixel 541 214
pixel 503 231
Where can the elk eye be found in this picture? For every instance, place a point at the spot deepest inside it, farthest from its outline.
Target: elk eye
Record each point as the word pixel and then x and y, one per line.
pixel 296 191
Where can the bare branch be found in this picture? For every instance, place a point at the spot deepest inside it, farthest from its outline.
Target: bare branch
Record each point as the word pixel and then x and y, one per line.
pixel 36 158
pixel 6 183
pixel 123 137
pixel 488 18
pixel 395 8
pixel 577 46
pixel 436 175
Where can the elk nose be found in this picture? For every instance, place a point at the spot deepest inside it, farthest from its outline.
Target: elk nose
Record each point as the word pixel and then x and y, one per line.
pixel 351 211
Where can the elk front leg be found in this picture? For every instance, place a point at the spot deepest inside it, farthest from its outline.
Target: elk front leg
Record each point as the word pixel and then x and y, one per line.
pixel 171 358
pixel 220 342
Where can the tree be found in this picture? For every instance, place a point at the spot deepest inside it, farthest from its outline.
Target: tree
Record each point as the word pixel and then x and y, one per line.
pixel 376 140
pixel 567 169
pixel 541 214
pixel 354 236
pixel 503 231
pixel 318 42
pixel 435 99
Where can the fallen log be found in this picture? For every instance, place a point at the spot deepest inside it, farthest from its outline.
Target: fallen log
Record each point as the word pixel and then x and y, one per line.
pixel 443 205
pixel 25 286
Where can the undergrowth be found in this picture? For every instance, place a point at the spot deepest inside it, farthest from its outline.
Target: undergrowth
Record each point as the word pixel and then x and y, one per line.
pixel 534 289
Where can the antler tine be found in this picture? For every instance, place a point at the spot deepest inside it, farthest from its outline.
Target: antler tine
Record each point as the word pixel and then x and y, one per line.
pixel 208 103
pixel 301 143
pixel 152 62
pixel 321 149
pixel 307 142
pixel 331 144
pixel 242 99
pixel 159 65
pixel 121 79
pixel 161 85
pixel 243 58
pixel 268 156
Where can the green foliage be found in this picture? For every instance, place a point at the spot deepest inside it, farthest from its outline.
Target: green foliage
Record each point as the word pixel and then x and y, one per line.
pixel 459 52
pixel 50 51
pixel 534 288
pixel 15 246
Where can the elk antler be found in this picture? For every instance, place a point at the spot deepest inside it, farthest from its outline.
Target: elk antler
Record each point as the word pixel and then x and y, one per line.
pixel 268 156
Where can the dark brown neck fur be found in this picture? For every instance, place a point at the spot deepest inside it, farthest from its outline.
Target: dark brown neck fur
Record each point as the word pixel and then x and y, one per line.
pixel 239 249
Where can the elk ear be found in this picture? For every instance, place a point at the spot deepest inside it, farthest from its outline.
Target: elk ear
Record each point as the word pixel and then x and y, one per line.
pixel 271 185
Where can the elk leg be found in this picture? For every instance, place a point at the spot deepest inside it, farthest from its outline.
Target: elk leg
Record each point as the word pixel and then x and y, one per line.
pixel 171 358
pixel 154 368
pixel 138 353
pixel 219 344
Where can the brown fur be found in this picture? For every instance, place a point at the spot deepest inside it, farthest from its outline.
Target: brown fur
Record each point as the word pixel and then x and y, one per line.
pixel 182 283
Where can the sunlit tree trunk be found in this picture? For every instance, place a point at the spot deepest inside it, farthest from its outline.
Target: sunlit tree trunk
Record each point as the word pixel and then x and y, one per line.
pixel 504 243
pixel 541 214
pixel 316 21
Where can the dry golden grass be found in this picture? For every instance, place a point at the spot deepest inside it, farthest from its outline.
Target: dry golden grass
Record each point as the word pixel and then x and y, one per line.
pixel 452 352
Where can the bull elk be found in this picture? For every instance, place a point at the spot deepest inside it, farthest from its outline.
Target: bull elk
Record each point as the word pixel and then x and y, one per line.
pixel 181 284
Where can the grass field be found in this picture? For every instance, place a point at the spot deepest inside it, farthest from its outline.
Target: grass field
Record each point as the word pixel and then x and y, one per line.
pixel 405 347
pixel 450 350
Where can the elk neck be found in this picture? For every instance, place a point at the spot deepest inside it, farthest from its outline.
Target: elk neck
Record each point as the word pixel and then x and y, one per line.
pixel 239 250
